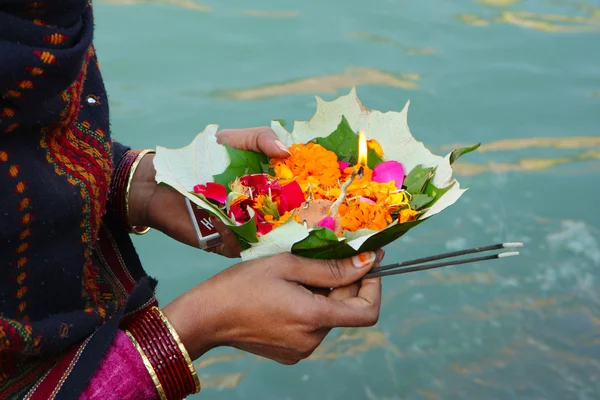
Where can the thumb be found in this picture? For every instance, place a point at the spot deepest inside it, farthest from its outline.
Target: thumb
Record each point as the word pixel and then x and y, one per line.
pixel 260 140
pixel 330 273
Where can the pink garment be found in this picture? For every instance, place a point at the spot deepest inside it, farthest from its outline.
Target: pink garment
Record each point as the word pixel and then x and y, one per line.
pixel 121 375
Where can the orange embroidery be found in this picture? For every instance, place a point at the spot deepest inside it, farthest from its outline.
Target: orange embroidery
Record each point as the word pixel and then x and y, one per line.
pixel 55 38
pixel 46 57
pixel 24 203
pixel 3 156
pixel 8 112
pixel 22 247
pixel 21 187
pixel 14 93
pixel 13 170
pixel 22 261
pixel 35 71
pixel 25 84
pixel 21 277
pixel 21 292
pixel 26 219
pixel 11 128
pixel 25 233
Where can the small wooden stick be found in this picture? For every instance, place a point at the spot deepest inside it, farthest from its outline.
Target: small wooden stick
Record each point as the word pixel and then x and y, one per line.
pixel 343 191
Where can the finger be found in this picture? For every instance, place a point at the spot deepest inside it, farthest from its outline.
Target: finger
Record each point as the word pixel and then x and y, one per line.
pixel 344 292
pixel 231 247
pixel 321 291
pixel 259 140
pixel 327 273
pixel 361 310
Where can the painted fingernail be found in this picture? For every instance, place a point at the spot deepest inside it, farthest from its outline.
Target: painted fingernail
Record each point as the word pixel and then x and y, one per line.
pixel 363 259
pixel 282 146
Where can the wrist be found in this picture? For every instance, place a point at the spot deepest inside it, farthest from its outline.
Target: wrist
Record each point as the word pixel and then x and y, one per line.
pixel 197 321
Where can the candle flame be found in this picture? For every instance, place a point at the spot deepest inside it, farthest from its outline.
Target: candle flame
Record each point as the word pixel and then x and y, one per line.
pixel 362 148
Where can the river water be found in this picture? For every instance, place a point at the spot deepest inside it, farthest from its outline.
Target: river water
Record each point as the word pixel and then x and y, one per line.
pixel 522 77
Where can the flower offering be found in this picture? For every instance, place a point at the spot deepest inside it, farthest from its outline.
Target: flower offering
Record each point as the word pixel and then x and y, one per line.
pixel 355 180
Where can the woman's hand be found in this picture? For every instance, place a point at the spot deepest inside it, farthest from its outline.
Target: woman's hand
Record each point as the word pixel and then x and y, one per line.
pixel 164 209
pixel 265 307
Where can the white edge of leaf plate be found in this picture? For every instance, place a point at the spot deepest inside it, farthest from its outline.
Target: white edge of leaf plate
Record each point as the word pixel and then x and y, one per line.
pixel 193 164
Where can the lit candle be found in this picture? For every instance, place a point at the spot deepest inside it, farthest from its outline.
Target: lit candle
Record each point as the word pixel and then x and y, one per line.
pixel 362 148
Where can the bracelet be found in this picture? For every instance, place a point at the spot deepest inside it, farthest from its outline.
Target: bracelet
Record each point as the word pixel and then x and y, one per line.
pixel 121 186
pixel 138 230
pixel 163 354
pixel 186 356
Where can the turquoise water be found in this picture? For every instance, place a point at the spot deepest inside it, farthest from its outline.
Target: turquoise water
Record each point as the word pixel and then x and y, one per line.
pixel 523 77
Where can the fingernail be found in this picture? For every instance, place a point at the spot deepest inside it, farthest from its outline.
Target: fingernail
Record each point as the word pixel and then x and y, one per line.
pixel 282 146
pixel 363 259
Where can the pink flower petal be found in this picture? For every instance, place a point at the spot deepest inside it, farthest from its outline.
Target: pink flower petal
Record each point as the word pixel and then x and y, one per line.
pixel 327 222
pixel 366 200
pixel 291 197
pixel 343 165
pixel 212 191
pixel 388 171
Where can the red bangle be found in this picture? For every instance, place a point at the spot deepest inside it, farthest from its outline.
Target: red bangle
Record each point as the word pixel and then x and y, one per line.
pixel 163 353
pixel 121 184
pixel 155 345
pixel 170 349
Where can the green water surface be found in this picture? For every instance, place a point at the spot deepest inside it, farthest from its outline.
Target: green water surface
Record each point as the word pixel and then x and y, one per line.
pixel 522 77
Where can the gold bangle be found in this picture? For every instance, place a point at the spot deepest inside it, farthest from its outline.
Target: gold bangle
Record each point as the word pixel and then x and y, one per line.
pixel 184 352
pixel 149 368
pixel 138 230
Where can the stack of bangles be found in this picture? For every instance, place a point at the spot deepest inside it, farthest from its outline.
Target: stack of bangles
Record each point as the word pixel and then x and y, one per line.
pixel 121 186
pixel 163 354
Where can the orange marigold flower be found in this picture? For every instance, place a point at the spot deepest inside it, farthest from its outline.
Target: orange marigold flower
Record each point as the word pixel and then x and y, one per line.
pixel 283 219
pixel 360 215
pixel 374 144
pixel 308 164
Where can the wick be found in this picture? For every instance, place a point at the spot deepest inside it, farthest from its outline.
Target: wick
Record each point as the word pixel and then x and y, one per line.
pixel 344 189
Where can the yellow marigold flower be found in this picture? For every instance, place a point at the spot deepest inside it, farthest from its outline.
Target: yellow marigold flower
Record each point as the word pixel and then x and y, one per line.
pixel 374 144
pixel 406 215
pixel 360 215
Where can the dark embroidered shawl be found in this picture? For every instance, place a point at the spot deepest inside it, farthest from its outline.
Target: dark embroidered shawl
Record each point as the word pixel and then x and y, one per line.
pixel 56 162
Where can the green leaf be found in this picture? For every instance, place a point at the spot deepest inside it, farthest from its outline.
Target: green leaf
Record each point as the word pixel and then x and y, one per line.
pixel 344 143
pixel 416 179
pixel 337 250
pixel 456 154
pixel 318 238
pixel 281 121
pixel 246 232
pixel 373 159
pixel 436 193
pixel 419 200
pixel 243 162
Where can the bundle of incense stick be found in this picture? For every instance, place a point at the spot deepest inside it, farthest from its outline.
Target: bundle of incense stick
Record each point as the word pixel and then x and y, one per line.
pixel 421 264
